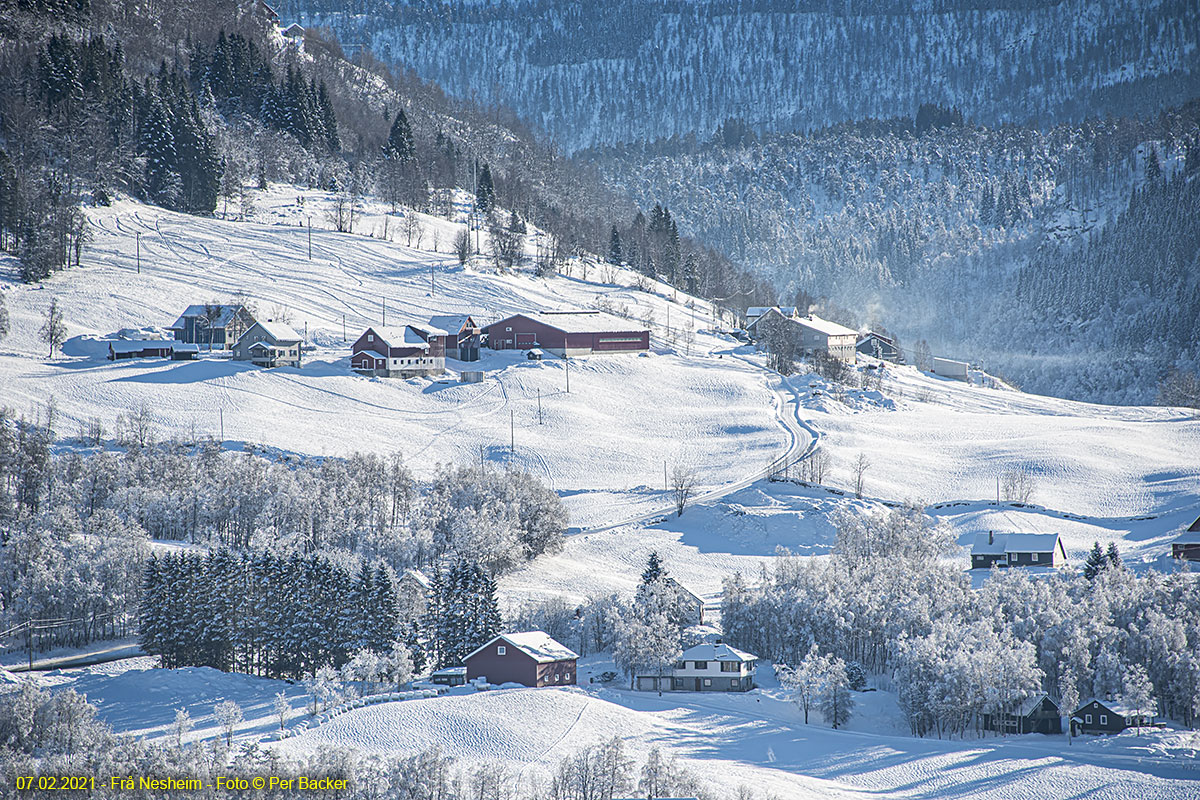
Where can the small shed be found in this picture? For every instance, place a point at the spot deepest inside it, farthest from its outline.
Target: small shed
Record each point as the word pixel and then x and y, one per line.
pixel 450 676
pixel 530 658
pixel 139 348
pixel 949 368
pixel 534 355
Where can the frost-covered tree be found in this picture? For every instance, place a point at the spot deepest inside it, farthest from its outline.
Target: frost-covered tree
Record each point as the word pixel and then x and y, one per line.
pixel 835 701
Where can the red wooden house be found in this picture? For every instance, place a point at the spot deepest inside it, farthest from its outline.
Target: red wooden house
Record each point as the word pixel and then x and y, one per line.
pixel 403 352
pixel 531 658
pixel 568 333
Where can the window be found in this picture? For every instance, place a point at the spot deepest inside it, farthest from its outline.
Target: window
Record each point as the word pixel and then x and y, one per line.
pixel 731 666
pixel 733 682
pixel 676 683
pixel 1034 556
pixel 708 681
pixel 508 330
pixel 557 677
pixel 1104 719
pixel 701 665
pixel 1087 719
pixel 680 665
pixel 370 337
pixel 500 650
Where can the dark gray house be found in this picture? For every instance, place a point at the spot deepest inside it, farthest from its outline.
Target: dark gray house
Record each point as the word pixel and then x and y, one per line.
pixel 1038 714
pixel 213 325
pixel 1109 716
pixel 1017 550
pixel 879 346
pixel 1187 545
pixel 463 335
pixel 269 344
pixel 530 658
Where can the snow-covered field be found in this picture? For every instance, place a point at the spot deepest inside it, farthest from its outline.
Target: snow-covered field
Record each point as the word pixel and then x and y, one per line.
pixel 1129 475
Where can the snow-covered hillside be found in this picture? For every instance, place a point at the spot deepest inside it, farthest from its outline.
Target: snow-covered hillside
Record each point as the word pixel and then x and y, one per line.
pixel 602 446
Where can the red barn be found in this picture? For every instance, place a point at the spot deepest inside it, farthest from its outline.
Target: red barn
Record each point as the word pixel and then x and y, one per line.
pixel 531 658
pixel 400 352
pixel 568 333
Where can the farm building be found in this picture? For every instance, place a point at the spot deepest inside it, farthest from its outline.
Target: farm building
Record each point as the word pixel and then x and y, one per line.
pixel 403 352
pixel 705 668
pixel 269 344
pixel 463 335
pixel 1109 716
pixel 530 658
pixel 1017 550
pixel 1187 545
pixel 150 348
pixel 450 676
pixel 949 368
pixel 212 325
pixel 879 346
pixel 821 334
pixel 1038 714
pixel 753 313
pixel 567 333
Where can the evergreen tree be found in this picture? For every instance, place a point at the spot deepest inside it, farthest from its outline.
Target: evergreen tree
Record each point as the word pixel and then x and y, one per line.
pixel 485 192
pixel 157 143
pixel 399 146
pixel 654 569
pixel 615 254
pixel 1096 562
pixel 1113 556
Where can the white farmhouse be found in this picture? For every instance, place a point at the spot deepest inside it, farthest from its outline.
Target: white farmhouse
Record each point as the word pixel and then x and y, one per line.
pixel 705 668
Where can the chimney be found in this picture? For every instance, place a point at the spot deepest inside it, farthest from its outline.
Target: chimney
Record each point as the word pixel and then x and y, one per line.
pixel 991 539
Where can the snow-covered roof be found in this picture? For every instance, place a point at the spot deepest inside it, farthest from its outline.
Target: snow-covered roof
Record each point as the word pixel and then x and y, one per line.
pixel 757 311
pixel 1003 543
pixel 295 29
pixel 450 671
pixel 450 323
pixel 428 330
pixel 581 321
pixel 185 347
pixel 138 345
pixel 1120 707
pixel 403 336
pixel 536 644
pixel 419 577
pixel 715 652
pixel 224 316
pixel 825 326
pixel 873 335
pixel 280 332
pixel 671 581
pixel 1031 704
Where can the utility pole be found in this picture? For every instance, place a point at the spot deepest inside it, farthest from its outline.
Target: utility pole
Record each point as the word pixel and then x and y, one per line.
pixel 431 277
pixel 568 371
pixel 539 405
pixel 310 238
pixel 222 412
pixel 139 252
pixel 343 327
pixel 666 484
pixel 385 312
pixel 512 434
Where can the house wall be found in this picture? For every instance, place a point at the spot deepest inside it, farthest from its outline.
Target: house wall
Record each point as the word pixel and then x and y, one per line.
pixel 709 678
pixel 286 354
pixel 1113 723
pixel 1188 551
pixel 521 333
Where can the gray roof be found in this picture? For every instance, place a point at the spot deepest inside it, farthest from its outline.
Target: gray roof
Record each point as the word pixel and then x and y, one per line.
pixel 1031 704
pixel 580 321
pixel 825 326
pixel 715 652
pixel 137 345
pixel 1014 543
pixel 536 644
pixel 278 331
pixel 450 323
pixel 223 318
pixel 1119 707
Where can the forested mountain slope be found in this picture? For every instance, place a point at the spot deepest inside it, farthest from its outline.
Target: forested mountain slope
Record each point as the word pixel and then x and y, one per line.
pixel 1067 259
pixel 635 70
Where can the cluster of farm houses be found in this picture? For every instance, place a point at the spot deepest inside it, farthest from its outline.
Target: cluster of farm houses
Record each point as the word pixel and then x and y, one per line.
pixel 404 351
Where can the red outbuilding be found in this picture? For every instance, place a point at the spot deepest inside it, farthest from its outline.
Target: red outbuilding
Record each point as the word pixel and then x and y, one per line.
pixel 531 658
pixel 568 333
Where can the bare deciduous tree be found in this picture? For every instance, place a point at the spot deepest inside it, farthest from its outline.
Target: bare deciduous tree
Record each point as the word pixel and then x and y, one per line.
pixel 462 246
pixel 1016 484
pixel 861 464
pixel 683 485
pixel 54 331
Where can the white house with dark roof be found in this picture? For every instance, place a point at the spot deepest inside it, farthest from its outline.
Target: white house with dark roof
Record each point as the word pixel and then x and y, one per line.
pixel 1017 550
pixel 708 667
pixel 269 344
